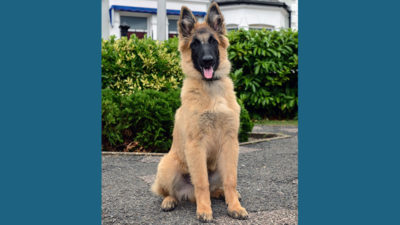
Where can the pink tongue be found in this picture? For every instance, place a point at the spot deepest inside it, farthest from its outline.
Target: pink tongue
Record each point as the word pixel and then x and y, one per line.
pixel 208 72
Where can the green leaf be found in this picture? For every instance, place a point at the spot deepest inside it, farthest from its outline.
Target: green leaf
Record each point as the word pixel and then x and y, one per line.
pixel 257 69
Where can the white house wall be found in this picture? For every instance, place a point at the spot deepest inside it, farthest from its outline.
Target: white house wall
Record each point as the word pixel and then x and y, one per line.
pixel 246 15
pixel 135 3
pixel 242 15
pixel 194 5
pixel 105 19
pixel 199 5
pixel 114 29
pixel 294 7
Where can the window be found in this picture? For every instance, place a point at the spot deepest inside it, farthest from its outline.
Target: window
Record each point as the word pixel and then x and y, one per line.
pixel 260 27
pixel 230 27
pixel 137 25
pixel 173 25
pixel 172 28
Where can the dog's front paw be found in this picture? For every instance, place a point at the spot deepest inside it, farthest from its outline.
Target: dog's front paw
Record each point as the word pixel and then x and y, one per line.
pixel 238 213
pixel 204 217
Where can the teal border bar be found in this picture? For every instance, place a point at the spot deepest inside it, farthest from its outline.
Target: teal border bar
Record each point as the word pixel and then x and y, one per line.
pixel 50 122
pixel 349 116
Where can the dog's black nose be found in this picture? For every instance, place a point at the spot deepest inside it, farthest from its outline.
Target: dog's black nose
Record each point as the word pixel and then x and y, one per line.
pixel 207 60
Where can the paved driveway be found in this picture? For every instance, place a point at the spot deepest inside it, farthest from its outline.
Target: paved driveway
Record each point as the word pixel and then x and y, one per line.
pixel 267 181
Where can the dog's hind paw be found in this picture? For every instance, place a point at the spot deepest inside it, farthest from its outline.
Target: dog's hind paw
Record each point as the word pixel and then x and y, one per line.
pixel 169 203
pixel 217 194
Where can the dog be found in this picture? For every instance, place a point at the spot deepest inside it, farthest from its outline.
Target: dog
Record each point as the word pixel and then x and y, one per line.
pixel 203 158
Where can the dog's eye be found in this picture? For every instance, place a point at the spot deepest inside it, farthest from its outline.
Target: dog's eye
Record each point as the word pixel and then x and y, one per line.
pixel 212 40
pixel 195 42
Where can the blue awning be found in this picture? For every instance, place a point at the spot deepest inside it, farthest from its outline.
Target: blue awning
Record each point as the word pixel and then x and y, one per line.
pixel 149 10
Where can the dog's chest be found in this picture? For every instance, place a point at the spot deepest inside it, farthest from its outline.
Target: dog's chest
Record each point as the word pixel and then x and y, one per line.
pixel 209 119
pixel 217 117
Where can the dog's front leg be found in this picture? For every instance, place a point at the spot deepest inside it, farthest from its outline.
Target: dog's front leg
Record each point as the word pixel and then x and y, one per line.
pixel 197 162
pixel 227 166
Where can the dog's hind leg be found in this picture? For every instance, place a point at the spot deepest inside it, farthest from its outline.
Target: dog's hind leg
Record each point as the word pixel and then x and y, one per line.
pixel 216 189
pixel 216 186
pixel 183 188
pixel 168 174
pixel 219 194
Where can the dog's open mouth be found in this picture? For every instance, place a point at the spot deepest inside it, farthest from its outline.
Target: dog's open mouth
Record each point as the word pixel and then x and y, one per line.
pixel 208 73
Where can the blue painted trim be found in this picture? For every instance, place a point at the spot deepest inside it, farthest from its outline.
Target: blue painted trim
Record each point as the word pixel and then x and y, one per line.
pixel 134 9
pixel 149 10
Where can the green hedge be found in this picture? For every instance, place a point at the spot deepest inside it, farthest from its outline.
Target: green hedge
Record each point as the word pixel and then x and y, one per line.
pixel 246 125
pixel 141 80
pixel 138 64
pixel 264 70
pixel 144 120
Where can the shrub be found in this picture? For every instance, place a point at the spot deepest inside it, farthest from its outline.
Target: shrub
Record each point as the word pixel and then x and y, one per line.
pixel 264 71
pixel 246 125
pixel 172 45
pixel 264 68
pixel 138 64
pixel 144 120
pixel 112 123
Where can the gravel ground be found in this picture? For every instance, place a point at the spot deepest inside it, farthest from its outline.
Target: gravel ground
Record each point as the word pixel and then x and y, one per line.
pixel 267 181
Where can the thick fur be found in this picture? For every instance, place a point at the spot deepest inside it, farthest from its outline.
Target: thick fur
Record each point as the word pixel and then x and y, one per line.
pixel 202 161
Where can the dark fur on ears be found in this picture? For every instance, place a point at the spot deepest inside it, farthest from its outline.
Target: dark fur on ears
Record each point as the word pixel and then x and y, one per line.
pixel 186 22
pixel 215 19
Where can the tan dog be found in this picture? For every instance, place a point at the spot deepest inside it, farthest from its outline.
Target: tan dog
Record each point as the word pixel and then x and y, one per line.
pixel 204 153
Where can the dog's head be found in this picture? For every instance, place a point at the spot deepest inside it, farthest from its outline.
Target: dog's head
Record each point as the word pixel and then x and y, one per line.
pixel 203 46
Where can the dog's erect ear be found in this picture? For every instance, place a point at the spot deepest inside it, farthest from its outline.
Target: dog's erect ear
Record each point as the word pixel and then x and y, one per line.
pixel 215 19
pixel 186 22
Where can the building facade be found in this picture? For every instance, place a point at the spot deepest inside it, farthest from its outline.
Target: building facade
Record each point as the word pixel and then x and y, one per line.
pixel 141 15
pixel 294 7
